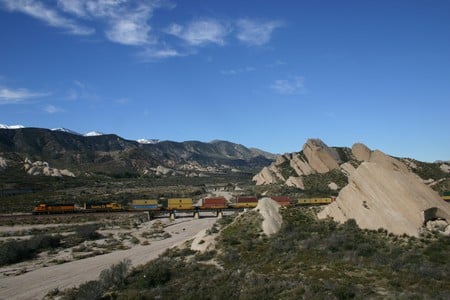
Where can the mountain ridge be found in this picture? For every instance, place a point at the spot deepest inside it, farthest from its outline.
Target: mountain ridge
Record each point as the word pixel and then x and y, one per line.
pixel 110 153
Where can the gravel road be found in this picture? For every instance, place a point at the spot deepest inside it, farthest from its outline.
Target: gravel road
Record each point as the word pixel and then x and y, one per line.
pixel 36 284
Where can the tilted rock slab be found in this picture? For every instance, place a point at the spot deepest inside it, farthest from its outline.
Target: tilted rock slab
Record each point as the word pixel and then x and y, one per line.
pixel 382 193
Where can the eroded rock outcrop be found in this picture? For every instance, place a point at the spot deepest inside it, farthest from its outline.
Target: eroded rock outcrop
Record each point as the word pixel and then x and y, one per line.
pixel 43 168
pixel 383 193
pixel 269 210
pixel 3 163
pixel 315 158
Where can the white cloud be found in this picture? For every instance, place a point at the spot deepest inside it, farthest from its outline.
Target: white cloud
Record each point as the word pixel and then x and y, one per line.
pixel 51 109
pixel 9 96
pixel 200 32
pixel 256 33
pixel 294 85
pixel 50 16
pixel 155 53
pixel 237 70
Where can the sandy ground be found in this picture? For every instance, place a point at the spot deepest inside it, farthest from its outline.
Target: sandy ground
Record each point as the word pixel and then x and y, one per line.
pixel 37 283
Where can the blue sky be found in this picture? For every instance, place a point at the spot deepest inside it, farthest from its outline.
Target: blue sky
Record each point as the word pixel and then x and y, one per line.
pixel 266 74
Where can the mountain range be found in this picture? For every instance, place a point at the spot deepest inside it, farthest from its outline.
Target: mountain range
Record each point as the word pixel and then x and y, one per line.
pixel 112 154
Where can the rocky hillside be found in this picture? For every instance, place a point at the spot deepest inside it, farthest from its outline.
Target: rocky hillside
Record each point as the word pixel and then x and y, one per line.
pixel 112 154
pixel 326 169
pixel 383 193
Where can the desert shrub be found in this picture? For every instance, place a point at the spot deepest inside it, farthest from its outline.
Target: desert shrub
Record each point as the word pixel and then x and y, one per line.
pixel 91 290
pixel 115 275
pixel 157 273
pixel 88 232
pixel 16 251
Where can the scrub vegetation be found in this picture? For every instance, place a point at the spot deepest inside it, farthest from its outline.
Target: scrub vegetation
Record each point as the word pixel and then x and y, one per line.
pixel 307 258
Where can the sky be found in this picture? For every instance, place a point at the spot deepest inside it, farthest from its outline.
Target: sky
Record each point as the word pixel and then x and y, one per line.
pixel 265 74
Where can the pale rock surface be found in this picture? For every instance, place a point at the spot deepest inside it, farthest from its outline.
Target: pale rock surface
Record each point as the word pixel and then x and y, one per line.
pixel 300 166
pixel 320 157
pixel 445 168
pixel 3 163
pixel 268 175
pixel 43 168
pixel 361 152
pixel 333 186
pixel 295 182
pixel 203 241
pixel 348 168
pixel 269 210
pixel 382 193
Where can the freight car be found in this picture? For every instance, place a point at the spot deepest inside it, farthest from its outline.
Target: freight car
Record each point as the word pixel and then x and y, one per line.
pixel 282 200
pixel 214 203
pixel 101 207
pixel 44 208
pixel 149 204
pixel 315 201
pixel 179 204
pixel 245 202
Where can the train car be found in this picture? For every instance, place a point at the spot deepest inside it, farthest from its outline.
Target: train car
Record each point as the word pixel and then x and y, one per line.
pixel 446 198
pixel 282 200
pixel 214 202
pixel 44 208
pixel 245 202
pixel 179 204
pixel 149 204
pixel 101 207
pixel 315 201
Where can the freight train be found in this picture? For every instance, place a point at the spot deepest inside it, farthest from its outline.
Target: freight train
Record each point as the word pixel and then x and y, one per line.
pixel 179 204
pixel 45 208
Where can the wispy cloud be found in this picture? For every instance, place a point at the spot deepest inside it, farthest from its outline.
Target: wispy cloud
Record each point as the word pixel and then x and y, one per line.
pixel 237 71
pixel 200 32
pixel 130 23
pixel 51 109
pixel 11 96
pixel 157 52
pixel 256 33
pixel 293 85
pixel 44 13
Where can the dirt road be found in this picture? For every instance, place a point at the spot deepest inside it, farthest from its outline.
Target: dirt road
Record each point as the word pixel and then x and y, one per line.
pixel 36 284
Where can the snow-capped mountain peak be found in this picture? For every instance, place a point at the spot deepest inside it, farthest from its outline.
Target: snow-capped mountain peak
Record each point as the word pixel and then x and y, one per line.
pixel 65 130
pixel 146 141
pixel 94 133
pixel 3 126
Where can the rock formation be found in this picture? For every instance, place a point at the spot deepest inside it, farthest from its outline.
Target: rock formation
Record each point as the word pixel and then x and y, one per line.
pixel 315 158
pixel 3 163
pixel 383 193
pixel 269 210
pixel 43 168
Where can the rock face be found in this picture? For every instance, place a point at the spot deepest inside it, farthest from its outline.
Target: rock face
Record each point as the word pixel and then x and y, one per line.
pixel 320 157
pixel 268 209
pixel 43 168
pixel 3 163
pixel 315 158
pixel 383 193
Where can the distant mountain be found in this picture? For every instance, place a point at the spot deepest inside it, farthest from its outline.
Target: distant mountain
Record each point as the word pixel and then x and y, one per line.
pixel 111 154
pixel 93 133
pixel 65 130
pixel 145 141
pixel 2 126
